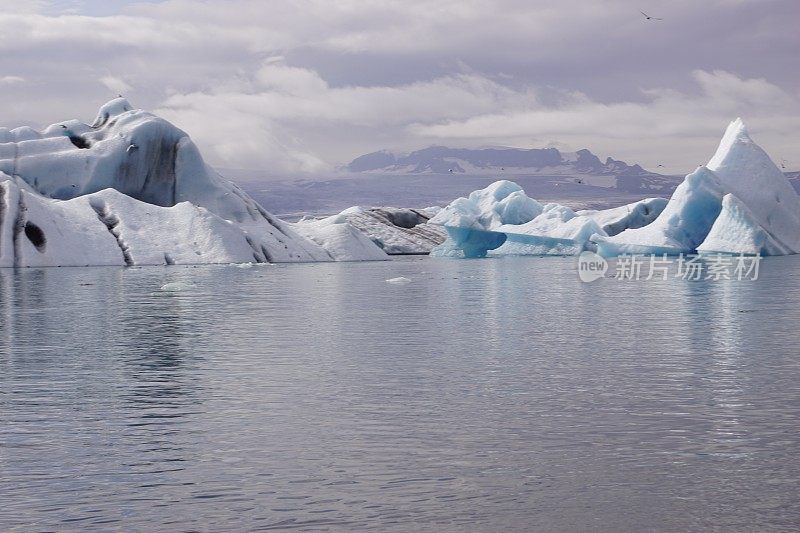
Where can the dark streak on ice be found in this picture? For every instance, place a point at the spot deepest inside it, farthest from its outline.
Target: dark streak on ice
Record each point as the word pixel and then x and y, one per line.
pixel 111 222
pixel 267 256
pixel 256 252
pixel 148 173
pixel 272 220
pixel 19 227
pixel 102 121
pixel 79 142
pixel 35 234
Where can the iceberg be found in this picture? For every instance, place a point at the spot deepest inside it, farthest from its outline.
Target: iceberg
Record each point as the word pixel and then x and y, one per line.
pixel 502 220
pixel 736 231
pixel 133 189
pixel 631 216
pixel 502 202
pixel 747 172
pixel 740 202
pixel 682 225
pixel 397 231
pixel 341 239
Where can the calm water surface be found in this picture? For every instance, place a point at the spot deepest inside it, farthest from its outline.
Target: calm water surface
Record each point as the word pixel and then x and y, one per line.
pixel 483 395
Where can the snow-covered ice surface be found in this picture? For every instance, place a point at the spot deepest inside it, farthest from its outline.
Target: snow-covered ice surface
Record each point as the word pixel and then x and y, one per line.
pixel 681 227
pixel 502 202
pixel 633 215
pixel 133 189
pixel 341 239
pixel 502 220
pixel 737 231
pixel 740 202
pixel 397 231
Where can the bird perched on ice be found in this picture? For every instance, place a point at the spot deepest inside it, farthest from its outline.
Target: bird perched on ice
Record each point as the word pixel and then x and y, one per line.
pixel 648 17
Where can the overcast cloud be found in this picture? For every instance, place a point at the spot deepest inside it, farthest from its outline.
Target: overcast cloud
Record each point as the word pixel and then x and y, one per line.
pixel 305 86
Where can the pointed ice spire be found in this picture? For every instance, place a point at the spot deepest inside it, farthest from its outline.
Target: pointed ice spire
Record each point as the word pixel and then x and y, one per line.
pixel 735 133
pixel 746 170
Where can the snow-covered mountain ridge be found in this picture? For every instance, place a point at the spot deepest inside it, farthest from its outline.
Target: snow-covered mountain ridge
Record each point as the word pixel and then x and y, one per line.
pixel 443 160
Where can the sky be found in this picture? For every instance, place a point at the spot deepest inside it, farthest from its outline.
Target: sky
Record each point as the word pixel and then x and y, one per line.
pixel 302 87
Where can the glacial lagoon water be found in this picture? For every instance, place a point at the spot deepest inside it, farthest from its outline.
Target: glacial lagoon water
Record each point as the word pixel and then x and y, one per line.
pixel 488 395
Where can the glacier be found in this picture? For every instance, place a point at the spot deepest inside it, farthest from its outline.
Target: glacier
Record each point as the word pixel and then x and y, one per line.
pixel 738 203
pixel 133 189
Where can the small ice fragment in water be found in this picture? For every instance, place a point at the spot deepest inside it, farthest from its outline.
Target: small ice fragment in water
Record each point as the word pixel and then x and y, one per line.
pixel 400 281
pixel 242 265
pixel 176 286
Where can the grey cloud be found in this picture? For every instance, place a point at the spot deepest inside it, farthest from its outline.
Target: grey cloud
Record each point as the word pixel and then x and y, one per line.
pixel 356 77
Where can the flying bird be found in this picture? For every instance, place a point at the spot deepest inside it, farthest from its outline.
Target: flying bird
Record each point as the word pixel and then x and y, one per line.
pixel 648 17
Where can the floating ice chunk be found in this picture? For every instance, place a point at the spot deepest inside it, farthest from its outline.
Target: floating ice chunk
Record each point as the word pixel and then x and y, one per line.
pixel 514 224
pixel 682 225
pixel 521 244
pixel 340 239
pixel 762 214
pixel 145 177
pixel 399 280
pixel 473 243
pixel 557 231
pixel 631 216
pixel 502 202
pixel 736 232
pixel 468 243
pixel 178 286
pixel 397 231
pixel 747 171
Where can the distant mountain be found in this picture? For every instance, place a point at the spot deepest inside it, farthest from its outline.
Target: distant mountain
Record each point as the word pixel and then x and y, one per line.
pixel 543 161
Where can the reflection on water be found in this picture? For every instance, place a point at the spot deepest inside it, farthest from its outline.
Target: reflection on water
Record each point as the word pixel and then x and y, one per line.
pixel 489 394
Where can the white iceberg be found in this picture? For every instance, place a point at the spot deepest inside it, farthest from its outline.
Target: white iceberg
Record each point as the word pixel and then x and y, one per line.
pixel 739 203
pixel 630 216
pixel 133 189
pixel 736 231
pixel 397 231
pixel 344 242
